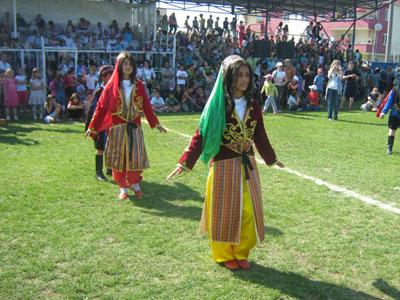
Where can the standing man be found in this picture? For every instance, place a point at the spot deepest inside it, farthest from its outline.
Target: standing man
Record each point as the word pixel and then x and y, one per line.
pixel 280 81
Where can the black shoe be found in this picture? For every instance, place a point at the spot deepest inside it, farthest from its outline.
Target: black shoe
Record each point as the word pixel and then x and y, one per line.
pixel 389 151
pixel 100 176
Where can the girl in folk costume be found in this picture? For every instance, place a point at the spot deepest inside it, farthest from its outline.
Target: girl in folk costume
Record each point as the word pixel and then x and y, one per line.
pixel 119 109
pixel 230 125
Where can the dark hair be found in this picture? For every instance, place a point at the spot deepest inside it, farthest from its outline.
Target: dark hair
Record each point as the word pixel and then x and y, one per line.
pixel 230 79
pixel 120 59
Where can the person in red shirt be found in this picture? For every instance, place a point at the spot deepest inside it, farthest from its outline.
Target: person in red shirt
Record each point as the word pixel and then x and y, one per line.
pixel 119 108
pixel 313 99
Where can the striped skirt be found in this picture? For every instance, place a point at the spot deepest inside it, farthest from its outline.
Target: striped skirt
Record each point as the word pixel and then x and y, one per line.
pixel 222 210
pixel 119 156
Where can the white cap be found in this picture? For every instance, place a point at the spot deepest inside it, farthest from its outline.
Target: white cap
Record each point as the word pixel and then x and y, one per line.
pixel 279 64
pixel 313 87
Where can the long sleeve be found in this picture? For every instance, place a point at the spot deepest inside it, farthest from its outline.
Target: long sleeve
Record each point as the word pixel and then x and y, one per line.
pixel 192 152
pixel 99 114
pixel 261 140
pixel 389 102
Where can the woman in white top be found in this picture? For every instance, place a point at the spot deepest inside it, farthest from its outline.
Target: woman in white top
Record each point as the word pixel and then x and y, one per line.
pixel 37 96
pixel 333 89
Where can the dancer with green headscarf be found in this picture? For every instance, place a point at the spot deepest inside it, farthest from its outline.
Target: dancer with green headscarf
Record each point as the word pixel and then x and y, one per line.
pixel 230 125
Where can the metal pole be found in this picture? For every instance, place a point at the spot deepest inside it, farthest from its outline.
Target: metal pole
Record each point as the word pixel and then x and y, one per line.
pixel 76 61
pixel 174 54
pixel 15 34
pixel 155 22
pixel 43 62
pixel 389 32
pixel 354 26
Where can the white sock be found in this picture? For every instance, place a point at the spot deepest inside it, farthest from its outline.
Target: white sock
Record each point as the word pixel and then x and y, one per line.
pixel 136 187
pixel 124 190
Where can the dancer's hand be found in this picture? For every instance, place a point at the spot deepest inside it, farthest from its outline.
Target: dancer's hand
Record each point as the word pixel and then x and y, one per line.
pixel 279 164
pixel 178 170
pixel 161 129
pixel 88 133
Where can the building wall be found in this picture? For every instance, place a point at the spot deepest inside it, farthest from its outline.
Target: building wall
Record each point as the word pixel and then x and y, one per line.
pixel 61 11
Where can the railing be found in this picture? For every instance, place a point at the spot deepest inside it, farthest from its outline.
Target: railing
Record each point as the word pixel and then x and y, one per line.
pixel 54 57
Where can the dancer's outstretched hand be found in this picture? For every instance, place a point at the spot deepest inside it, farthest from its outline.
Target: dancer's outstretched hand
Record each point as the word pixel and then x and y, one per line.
pixel 161 129
pixel 178 170
pixel 87 133
pixel 279 164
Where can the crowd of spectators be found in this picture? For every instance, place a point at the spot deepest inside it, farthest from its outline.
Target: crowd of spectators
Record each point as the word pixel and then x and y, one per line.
pixel 200 47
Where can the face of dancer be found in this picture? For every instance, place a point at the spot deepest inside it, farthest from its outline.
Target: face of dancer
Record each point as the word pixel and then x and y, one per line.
pixel 127 68
pixel 242 81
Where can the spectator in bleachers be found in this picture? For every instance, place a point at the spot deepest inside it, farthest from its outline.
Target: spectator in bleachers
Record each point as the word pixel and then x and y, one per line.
pixel 173 24
pixel 181 77
pixel 37 96
pixel 57 90
pixel 22 90
pixel 167 83
pixel 51 110
pixel 172 103
pixel 157 102
pixel 319 81
pixel 187 26
pixel 10 94
pixel 147 75
pixel 75 107
pixel 4 64
pixel 280 81
pixel 313 99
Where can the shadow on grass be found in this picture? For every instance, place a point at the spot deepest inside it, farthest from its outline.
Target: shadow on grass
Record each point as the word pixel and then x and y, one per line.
pixel 298 286
pixel 389 290
pixel 159 198
pixel 272 231
pixel 14 133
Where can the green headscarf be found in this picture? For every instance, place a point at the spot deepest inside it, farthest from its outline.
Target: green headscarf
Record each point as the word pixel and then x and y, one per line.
pixel 213 119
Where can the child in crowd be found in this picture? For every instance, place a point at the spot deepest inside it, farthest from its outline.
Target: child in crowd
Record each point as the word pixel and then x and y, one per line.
pixel 292 101
pixel 271 92
pixel 75 107
pixel 10 94
pixel 187 100
pixel 172 103
pixel 319 81
pixel 373 101
pixel 313 99
pixel 37 96
pixel 57 90
pixel 22 90
pixel 51 110
pixel 157 102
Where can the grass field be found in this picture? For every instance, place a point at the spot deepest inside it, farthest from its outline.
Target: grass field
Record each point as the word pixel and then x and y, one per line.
pixel 65 235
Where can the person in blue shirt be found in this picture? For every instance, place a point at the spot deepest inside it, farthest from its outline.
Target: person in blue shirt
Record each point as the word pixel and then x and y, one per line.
pixel 393 104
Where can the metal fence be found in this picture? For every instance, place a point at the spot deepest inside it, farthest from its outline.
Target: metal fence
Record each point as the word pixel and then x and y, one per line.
pixel 53 58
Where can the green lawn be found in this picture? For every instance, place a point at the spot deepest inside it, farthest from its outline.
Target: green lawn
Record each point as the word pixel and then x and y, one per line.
pixel 65 235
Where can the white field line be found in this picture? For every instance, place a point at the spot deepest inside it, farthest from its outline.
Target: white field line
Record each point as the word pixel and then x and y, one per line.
pixel 320 182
